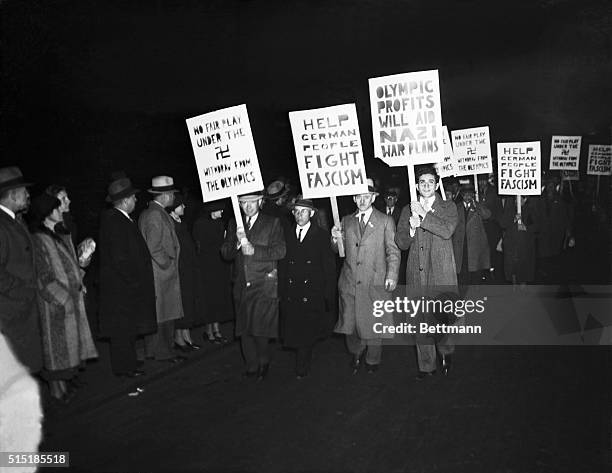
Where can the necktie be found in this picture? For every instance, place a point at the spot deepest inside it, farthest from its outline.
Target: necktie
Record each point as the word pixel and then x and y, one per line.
pixel 300 235
pixel 249 222
pixel 362 224
pixel 389 211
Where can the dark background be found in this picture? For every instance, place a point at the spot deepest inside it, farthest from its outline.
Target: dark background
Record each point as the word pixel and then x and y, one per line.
pixel 91 87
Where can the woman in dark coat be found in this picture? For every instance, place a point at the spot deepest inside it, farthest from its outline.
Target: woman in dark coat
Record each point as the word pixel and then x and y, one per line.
pixel 307 279
pixel 189 276
pixel 208 234
pixel 519 239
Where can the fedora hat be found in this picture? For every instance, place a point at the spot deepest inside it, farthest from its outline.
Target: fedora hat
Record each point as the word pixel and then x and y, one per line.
pixel 251 196
pixel 162 184
pixel 304 203
pixel 11 178
pixel 276 189
pixel 372 189
pixel 119 189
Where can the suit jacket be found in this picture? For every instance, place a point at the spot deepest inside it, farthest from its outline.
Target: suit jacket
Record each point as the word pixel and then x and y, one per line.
pixel 255 277
pixel 127 290
pixel 478 253
pixel 370 260
pixel 307 286
pixel 157 228
pixel 19 320
pixel 431 261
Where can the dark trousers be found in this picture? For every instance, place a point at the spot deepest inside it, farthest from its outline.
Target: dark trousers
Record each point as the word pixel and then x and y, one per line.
pixel 123 353
pixel 160 345
pixel 303 356
pixel 256 351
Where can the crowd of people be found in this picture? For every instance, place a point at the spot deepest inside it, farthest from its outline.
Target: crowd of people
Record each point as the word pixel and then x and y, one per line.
pixel 172 268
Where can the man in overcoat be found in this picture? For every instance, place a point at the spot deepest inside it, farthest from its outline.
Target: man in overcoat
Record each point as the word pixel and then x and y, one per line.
pixel 425 229
pixel 157 228
pixel 19 321
pixel 255 251
pixel 369 274
pixel 307 285
pixel 127 292
pixel 470 242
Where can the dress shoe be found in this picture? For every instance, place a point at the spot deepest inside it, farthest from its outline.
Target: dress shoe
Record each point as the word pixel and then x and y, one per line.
pixel 221 339
pixel 137 373
pixel 183 348
pixel 371 368
pixel 262 372
pixel 356 363
pixel 193 346
pixel 210 338
pixel 424 374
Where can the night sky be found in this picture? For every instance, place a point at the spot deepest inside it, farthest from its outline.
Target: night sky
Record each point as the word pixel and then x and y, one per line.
pixel 90 87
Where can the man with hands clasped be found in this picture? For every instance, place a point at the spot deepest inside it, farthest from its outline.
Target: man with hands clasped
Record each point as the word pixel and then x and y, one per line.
pixel 369 274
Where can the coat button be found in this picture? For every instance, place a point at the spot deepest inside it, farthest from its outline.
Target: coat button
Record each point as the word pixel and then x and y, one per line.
pixel 421 248
pixel 357 245
pixel 358 263
pixel 420 269
pixel 358 282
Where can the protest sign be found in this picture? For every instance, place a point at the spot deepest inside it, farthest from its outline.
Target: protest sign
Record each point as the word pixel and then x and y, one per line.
pixel 518 168
pixel 565 153
pixel 407 118
pixel 600 160
pixel 328 150
pixel 472 151
pixel 446 167
pixel 225 153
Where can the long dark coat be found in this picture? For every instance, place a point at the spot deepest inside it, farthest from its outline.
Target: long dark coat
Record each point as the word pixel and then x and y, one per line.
pixel 307 287
pixel 431 259
pixel 478 254
pixel 215 283
pixel 519 246
pixel 492 228
pixel 189 276
pixel 255 277
pixel 555 226
pixel 370 260
pixel 127 290
pixel 19 320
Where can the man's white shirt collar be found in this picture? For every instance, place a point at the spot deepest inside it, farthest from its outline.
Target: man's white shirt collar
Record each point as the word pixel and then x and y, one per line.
pixel 367 214
pixel 125 213
pixel 253 220
pixel 427 202
pixel 304 229
pixel 8 211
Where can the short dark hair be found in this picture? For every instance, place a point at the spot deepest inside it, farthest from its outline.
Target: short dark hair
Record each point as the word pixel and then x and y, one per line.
pixel 54 189
pixel 427 169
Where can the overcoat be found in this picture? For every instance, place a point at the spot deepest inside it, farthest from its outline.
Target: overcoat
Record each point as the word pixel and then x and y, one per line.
pixel 555 226
pixel 519 246
pixel 66 335
pixel 431 260
pixel 307 287
pixel 370 260
pixel 189 275
pixel 157 228
pixel 472 228
pixel 19 320
pixel 127 290
pixel 215 283
pixel 255 277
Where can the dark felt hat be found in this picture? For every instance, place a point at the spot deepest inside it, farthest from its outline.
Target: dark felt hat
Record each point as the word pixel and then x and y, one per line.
pixel 11 178
pixel 304 203
pixel 119 189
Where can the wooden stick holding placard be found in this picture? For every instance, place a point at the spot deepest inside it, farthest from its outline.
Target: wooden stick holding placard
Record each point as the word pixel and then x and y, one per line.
pixel 476 187
pixel 237 213
pixel 442 191
pixel 412 183
pixel 597 189
pixel 518 210
pixel 337 223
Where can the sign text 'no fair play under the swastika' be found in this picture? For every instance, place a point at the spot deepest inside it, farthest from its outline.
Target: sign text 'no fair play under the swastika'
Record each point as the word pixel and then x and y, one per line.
pixel 225 153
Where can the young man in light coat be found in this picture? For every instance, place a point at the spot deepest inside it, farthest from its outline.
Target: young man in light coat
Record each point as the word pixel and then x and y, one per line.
pixel 157 228
pixel 369 274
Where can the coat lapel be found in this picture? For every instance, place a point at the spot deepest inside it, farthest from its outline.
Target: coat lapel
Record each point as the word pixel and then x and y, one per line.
pixel 371 224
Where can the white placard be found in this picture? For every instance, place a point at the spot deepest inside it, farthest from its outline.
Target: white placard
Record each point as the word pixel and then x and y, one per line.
pixel 225 153
pixel 600 160
pixel 407 118
pixel 446 167
pixel 472 149
pixel 328 150
pixel 565 153
pixel 518 168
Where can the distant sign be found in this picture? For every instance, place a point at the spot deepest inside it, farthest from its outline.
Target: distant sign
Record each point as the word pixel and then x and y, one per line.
pixel 472 150
pixel 328 150
pixel 518 168
pixel 225 153
pixel 565 153
pixel 407 118
pixel 600 160
pixel 446 167
pixel 570 175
